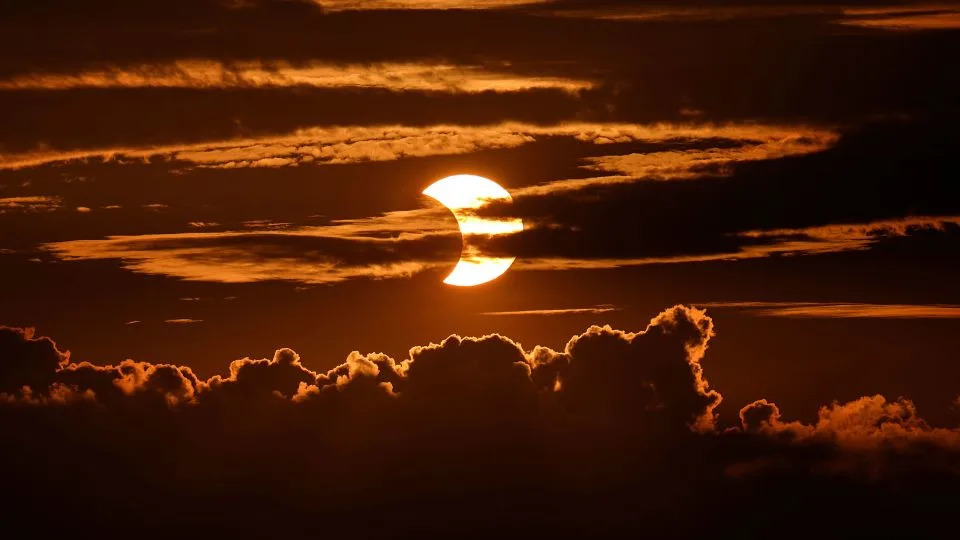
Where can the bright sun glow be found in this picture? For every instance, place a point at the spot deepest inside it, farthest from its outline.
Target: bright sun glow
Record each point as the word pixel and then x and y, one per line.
pixel 462 194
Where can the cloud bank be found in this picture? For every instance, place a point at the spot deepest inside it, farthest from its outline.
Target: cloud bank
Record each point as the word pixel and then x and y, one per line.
pixel 472 432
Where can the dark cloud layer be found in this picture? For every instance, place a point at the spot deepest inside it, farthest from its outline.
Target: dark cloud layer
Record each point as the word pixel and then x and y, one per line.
pixel 613 435
pixel 882 170
pixel 796 68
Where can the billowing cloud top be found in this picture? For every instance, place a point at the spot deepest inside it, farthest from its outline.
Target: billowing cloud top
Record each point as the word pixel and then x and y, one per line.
pixel 614 412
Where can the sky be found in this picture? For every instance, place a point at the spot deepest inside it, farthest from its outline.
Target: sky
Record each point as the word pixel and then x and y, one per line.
pixel 738 260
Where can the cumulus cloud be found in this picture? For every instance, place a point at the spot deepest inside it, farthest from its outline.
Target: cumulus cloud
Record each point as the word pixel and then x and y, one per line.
pixel 37 372
pixel 485 429
pixel 653 372
pixel 653 377
pixel 873 437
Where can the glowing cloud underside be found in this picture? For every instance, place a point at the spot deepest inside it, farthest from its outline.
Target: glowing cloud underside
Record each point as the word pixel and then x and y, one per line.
pixel 462 194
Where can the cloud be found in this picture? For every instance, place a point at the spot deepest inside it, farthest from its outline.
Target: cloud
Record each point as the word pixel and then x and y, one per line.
pixel 214 74
pixel 309 255
pixel 841 310
pixel 606 308
pixel 694 163
pixel 35 370
pixel 895 16
pixel 748 245
pixel 182 321
pixel 482 427
pixel 36 203
pixel 27 360
pixel 662 363
pixel 686 11
pixel 904 18
pixel 404 243
pixel 357 144
pixel 873 437
pixel 358 5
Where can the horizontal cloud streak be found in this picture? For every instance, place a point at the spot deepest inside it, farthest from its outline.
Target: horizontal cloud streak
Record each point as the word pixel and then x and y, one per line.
pixel 39 203
pixel 563 311
pixel 402 244
pixel 842 310
pixel 766 243
pixel 305 256
pixel 904 18
pixel 211 74
pixel 355 144
pixel 360 5
pixel 693 163
pixel 898 16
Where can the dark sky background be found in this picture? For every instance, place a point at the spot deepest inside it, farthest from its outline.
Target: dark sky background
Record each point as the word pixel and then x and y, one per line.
pixel 188 183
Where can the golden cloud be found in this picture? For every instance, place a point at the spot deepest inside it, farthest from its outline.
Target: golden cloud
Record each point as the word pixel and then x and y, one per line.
pixel 203 73
pixel 838 310
pixel 800 241
pixel 904 18
pixel 358 5
pixel 230 257
pixel 29 204
pixel 356 144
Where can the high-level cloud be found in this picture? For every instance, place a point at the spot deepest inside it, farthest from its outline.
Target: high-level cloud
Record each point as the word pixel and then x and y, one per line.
pixel 904 18
pixel 841 310
pixel 357 5
pixel 357 144
pixel 29 204
pixel 212 74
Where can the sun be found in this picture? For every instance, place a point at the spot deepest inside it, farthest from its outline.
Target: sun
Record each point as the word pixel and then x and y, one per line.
pixel 463 194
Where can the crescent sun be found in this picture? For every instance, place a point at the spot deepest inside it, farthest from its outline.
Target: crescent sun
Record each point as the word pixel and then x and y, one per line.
pixel 461 194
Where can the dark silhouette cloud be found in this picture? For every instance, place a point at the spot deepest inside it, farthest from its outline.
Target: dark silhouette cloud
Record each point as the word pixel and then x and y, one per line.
pixel 469 436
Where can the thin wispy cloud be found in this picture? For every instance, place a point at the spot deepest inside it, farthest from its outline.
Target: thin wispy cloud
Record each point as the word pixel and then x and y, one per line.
pixel 360 5
pixel 689 12
pixel 357 144
pixel 682 164
pixel 212 74
pixel 841 310
pixel 402 244
pixel 605 308
pixel 904 18
pixel 29 204
pixel 816 240
pixel 311 255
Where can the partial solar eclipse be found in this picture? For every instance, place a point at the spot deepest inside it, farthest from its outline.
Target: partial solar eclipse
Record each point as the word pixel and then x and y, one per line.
pixel 462 194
